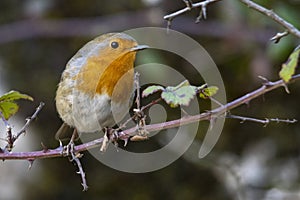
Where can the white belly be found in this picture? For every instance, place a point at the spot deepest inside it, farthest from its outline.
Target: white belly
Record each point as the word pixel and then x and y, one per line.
pixel 90 114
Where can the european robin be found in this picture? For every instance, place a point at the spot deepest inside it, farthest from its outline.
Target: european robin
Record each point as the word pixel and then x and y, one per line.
pixel 98 82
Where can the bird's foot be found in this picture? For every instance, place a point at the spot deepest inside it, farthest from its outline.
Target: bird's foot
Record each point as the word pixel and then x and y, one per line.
pixel 69 149
pixel 110 136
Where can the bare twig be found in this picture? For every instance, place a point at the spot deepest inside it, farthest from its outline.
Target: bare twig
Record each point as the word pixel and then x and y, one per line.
pixel 9 136
pixel 269 13
pixel 29 120
pixel 202 14
pixel 265 121
pixel 138 113
pixel 151 104
pixel 12 138
pixel 189 6
pixel 75 157
pixel 138 88
pixel 154 127
pixel 290 28
pixel 278 36
pixel 202 4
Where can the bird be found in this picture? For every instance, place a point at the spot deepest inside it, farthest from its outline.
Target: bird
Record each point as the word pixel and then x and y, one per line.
pixel 97 85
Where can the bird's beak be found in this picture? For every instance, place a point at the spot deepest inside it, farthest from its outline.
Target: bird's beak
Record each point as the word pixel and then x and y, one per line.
pixel 139 47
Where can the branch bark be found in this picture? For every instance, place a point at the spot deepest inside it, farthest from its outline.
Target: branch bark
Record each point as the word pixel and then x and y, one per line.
pixel 269 13
pixel 266 87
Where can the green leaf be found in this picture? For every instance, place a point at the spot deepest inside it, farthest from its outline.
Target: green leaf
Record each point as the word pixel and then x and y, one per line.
pixel 8 107
pixel 152 89
pixel 181 94
pixel 288 68
pixel 208 92
pixel 14 95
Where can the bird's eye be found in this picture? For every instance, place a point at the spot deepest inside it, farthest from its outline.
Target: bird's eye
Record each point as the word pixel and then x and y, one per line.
pixel 114 45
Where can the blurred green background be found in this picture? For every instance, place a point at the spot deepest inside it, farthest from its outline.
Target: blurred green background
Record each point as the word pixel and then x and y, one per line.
pixel 250 161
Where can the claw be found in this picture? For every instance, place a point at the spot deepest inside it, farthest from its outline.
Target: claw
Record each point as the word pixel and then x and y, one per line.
pixel 125 142
pixel 105 141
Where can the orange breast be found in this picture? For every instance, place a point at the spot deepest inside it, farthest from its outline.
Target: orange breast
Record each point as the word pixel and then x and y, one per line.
pixel 114 78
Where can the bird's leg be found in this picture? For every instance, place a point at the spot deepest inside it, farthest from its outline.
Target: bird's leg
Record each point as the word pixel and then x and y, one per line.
pixel 108 132
pixel 61 131
pixel 69 148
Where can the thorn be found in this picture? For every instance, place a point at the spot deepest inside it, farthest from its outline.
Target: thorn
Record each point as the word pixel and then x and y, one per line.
pixel 286 88
pixel 61 147
pixel 189 4
pixel 105 141
pixel 278 36
pixel 264 79
pixel 31 160
pixel 45 148
pixel 267 121
pixel 247 104
pixel 125 142
pixel 60 143
pixel 186 114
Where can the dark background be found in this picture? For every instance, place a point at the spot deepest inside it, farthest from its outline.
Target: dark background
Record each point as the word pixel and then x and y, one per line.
pixel 37 38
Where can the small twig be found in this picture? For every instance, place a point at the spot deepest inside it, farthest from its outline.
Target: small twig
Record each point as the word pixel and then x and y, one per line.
pixel 202 14
pixel 75 157
pixel 278 36
pixel 12 138
pixel 265 121
pixel 189 6
pixel 29 120
pixel 137 101
pixel 137 85
pixel 123 125
pixel 269 13
pixel 202 4
pixel 138 113
pixel 151 104
pixel 216 101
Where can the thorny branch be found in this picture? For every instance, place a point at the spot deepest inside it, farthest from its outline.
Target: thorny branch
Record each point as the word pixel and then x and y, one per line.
pixel 269 13
pixel 29 120
pixel 123 135
pixel 12 138
pixel 190 6
pixel 75 157
pixel 265 121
